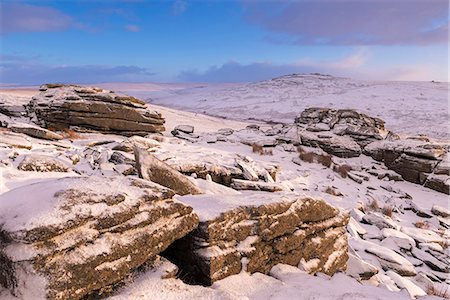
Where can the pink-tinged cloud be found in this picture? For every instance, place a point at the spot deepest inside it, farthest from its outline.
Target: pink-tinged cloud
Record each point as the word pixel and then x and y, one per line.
pixel 132 28
pixel 357 65
pixel 20 17
pixel 352 22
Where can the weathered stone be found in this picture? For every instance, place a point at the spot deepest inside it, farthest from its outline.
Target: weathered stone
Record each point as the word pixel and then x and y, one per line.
pixel 440 183
pixel 359 269
pixel 119 158
pixel 151 168
pixel 240 184
pixel 92 109
pixel 416 161
pixel 360 127
pixel 80 240
pixel 184 128
pixel 266 230
pixel 410 167
pixel 141 142
pixel 43 163
pixel 341 146
pixel 440 211
pixel 390 260
pixel 36 132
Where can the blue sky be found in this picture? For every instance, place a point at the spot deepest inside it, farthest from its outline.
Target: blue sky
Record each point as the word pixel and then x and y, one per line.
pixel 221 41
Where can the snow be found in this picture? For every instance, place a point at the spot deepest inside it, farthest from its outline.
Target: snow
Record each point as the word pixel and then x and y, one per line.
pixel 277 100
pixel 209 207
pixel 424 106
pixel 413 290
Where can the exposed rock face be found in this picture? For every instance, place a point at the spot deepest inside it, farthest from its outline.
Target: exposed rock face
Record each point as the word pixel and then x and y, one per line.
pixel 416 161
pixel 151 168
pixel 43 163
pixel 93 109
pixel 341 146
pixel 185 132
pixel 35 131
pixel 86 233
pixel 258 232
pixel 362 128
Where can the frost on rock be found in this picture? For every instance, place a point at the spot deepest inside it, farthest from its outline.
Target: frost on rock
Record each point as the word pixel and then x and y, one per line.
pixel 86 233
pixel 266 229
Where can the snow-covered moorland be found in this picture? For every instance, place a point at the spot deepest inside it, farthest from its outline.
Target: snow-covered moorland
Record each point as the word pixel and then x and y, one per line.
pixel 73 209
pixel 407 107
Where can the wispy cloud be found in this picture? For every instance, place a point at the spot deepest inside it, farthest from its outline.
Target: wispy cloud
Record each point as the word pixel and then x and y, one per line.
pixel 179 7
pixel 356 65
pixel 21 70
pixel 352 22
pixel 132 28
pixel 20 17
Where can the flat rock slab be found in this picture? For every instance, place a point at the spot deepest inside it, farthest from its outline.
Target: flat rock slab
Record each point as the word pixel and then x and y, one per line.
pixel 261 230
pixel 77 235
pixel 36 132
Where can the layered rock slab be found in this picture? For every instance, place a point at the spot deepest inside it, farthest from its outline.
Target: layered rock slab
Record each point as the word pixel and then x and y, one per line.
pixel 256 231
pixel 78 235
pixel 93 109
pixel 419 162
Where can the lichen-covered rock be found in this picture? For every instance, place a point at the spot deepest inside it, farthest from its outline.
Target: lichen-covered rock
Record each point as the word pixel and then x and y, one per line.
pixel 262 231
pixel 151 168
pixel 83 234
pixel 93 109
pixel 43 163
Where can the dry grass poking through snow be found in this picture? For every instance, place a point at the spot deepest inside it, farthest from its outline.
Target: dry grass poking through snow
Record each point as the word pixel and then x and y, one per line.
pixel 7 271
pixel 387 211
pixel 422 224
pixel 256 148
pixel 323 159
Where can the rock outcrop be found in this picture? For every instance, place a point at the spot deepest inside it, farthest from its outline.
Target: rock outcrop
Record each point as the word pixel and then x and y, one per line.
pixel 341 146
pixel 85 233
pixel 256 232
pixel 93 109
pixel 416 161
pixel 151 168
pixel 360 127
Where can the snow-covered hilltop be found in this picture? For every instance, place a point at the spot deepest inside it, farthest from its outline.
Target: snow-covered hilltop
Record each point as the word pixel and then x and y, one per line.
pixel 407 107
pixel 102 195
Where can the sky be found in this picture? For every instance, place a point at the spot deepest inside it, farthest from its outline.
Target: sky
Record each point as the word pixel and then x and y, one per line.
pixel 221 41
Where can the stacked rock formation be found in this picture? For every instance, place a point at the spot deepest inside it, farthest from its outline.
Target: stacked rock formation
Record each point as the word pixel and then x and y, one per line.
pixel 93 109
pixel 85 233
pixel 347 133
pixel 260 233
pixel 345 123
pixel 416 161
